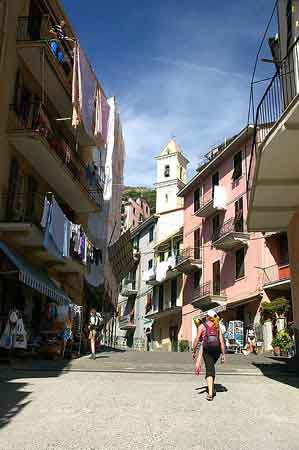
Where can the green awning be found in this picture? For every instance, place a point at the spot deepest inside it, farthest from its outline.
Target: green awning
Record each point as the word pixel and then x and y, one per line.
pixel 34 277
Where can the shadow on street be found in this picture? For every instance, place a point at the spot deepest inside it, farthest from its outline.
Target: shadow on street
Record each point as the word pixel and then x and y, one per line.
pixel 218 387
pixel 14 393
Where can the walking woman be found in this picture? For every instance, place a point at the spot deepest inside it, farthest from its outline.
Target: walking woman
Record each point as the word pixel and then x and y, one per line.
pixel 95 323
pixel 210 335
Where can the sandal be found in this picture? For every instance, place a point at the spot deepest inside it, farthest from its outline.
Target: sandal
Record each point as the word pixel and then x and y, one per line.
pixel 210 398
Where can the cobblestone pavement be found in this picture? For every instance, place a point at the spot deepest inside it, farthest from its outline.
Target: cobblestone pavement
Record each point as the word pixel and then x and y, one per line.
pixel 87 408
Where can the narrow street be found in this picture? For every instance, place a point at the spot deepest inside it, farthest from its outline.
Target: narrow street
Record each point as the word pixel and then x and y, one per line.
pixel 88 405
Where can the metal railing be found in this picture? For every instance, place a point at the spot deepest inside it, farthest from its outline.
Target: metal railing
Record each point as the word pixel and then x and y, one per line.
pixel 282 89
pixel 27 208
pixel 32 117
pixel 275 273
pixel 203 290
pixel 31 29
pixel 188 253
pixel 231 225
pixel 21 207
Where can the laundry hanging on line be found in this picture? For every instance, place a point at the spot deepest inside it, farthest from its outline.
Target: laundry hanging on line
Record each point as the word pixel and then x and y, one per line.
pixel 90 105
pixel 64 239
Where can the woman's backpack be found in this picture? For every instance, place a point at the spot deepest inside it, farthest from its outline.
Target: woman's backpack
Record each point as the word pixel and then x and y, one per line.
pixel 211 339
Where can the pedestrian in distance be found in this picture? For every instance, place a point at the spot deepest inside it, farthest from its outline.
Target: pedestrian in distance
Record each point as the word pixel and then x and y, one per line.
pixel 95 325
pixel 213 346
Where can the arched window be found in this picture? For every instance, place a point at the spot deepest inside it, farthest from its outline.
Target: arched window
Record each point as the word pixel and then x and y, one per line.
pixel 167 171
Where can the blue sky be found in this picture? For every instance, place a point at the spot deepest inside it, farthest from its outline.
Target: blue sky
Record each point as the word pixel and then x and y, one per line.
pixel 177 68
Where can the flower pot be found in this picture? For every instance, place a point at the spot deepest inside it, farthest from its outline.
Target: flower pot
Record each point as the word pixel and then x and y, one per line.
pixel 276 351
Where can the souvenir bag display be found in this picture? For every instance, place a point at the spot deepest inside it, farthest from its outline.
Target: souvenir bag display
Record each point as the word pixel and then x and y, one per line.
pixel 7 338
pixel 20 340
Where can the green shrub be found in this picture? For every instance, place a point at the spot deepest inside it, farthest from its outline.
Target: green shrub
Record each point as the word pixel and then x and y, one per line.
pixel 184 346
pixel 283 341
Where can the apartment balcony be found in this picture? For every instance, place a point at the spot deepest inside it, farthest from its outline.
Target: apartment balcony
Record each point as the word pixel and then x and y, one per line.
pixel 230 236
pixel 156 277
pixel 277 277
pixel 34 135
pixel 20 225
pixel 127 322
pixel 273 182
pixel 207 295
pixel 206 206
pixel 129 288
pixel 151 278
pixel 163 313
pixel 48 60
pixel 189 260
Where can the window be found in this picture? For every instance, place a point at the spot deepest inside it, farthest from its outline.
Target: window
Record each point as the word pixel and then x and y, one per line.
pixel 283 249
pixel 161 298
pixel 215 181
pixel 133 223
pixel 167 171
pixel 134 211
pixel 166 198
pixel 150 264
pixel 196 238
pixel 174 292
pixel 196 279
pixel 151 234
pixel 216 225
pixel 240 263
pixel 216 278
pixel 196 200
pixel 140 218
pixel 237 173
pixel 162 256
pixel 136 244
pixel 146 209
pixel 239 221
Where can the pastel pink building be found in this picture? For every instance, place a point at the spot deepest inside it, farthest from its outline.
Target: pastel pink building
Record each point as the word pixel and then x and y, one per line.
pixel 134 213
pixel 224 265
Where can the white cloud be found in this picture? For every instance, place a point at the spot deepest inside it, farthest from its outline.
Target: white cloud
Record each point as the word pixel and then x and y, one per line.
pixel 200 105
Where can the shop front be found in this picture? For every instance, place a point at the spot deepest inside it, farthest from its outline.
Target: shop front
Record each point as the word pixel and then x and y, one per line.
pixel 36 317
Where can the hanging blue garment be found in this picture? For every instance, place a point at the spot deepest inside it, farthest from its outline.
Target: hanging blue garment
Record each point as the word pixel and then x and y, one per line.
pixel 67 238
pixel 49 243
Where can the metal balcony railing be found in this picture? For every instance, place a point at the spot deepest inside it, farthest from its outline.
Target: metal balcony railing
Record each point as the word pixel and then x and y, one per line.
pixel 188 253
pixel 32 117
pixel 282 89
pixel 31 29
pixel 27 208
pixel 208 288
pixel 21 208
pixel 231 225
pixel 276 273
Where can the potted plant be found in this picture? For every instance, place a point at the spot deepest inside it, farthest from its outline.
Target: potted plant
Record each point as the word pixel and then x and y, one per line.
pixel 281 343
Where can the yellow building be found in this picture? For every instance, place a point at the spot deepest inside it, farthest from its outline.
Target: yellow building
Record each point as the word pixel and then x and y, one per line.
pixel 43 158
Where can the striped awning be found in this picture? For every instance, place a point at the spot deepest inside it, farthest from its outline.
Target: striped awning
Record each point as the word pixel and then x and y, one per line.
pixel 34 277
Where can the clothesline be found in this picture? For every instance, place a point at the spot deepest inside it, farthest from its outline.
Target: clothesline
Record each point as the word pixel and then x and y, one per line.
pixel 65 239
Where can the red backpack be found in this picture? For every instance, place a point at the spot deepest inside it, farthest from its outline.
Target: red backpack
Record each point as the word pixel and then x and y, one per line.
pixel 211 339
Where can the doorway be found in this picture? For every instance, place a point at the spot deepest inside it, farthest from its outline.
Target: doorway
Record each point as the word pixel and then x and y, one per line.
pixel 173 334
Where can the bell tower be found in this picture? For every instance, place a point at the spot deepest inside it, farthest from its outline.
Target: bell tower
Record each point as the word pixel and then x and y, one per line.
pixel 171 176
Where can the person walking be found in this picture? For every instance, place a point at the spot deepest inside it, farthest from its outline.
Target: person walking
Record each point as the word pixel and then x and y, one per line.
pixel 95 323
pixel 213 346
